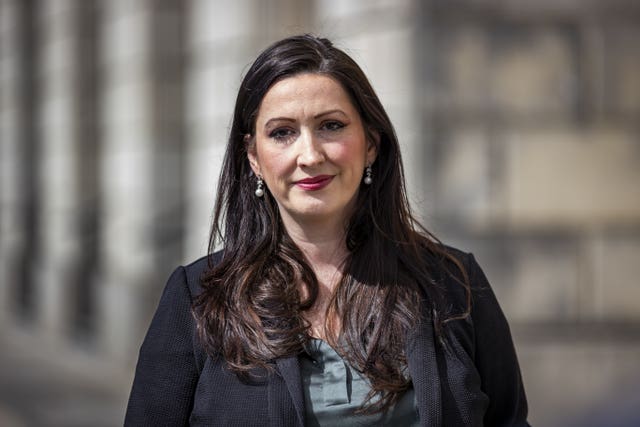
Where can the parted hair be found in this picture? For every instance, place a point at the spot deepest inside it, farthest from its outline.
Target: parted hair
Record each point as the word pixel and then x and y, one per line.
pixel 251 310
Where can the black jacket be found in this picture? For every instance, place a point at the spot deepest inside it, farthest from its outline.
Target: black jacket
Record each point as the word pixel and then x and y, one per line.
pixel 471 379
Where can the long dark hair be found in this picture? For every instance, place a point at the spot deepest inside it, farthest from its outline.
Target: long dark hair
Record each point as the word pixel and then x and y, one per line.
pixel 251 311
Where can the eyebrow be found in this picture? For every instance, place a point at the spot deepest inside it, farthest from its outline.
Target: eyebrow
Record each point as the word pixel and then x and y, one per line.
pixel 278 119
pixel 317 116
pixel 326 113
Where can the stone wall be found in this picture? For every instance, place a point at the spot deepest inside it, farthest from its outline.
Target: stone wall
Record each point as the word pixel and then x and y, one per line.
pixel 518 125
pixel 531 114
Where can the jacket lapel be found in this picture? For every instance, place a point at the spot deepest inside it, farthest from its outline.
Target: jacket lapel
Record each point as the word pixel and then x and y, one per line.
pixel 286 395
pixel 423 368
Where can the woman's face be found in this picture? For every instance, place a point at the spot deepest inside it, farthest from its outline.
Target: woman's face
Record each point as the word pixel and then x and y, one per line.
pixel 310 148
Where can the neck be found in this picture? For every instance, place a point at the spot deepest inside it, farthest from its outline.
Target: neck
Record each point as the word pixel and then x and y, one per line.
pixel 324 245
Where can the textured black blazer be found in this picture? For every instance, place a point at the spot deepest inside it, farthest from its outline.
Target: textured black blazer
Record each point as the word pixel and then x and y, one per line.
pixel 471 378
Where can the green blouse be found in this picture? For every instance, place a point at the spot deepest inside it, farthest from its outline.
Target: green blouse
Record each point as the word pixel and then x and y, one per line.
pixel 333 391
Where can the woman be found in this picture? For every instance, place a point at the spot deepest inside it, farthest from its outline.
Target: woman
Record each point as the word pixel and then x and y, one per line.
pixel 328 305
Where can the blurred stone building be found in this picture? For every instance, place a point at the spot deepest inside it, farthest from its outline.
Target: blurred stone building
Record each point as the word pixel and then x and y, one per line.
pixel 519 123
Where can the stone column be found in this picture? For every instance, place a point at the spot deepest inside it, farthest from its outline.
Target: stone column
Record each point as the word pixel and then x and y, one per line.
pixel 219 46
pixel 87 140
pixel 127 253
pixel 140 166
pixel 19 240
pixel 11 237
pixel 60 246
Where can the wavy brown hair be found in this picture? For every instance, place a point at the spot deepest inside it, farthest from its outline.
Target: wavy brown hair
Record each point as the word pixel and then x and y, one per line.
pixel 251 311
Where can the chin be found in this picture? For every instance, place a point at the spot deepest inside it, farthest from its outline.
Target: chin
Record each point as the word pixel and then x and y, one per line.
pixel 316 212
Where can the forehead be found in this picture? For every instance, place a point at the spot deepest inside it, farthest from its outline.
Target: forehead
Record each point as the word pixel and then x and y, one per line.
pixel 305 93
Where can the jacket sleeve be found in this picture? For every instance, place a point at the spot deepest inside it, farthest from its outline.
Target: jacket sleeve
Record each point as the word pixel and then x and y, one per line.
pixel 166 373
pixel 495 355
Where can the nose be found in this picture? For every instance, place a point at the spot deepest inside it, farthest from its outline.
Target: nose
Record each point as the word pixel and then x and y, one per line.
pixel 310 153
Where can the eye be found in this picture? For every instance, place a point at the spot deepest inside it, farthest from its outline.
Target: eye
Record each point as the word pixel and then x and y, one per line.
pixel 332 125
pixel 281 134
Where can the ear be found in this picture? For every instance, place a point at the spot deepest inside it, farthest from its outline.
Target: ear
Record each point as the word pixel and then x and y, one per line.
pixel 373 142
pixel 252 154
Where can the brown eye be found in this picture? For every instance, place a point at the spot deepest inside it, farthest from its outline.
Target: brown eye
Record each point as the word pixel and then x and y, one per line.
pixel 332 125
pixel 281 134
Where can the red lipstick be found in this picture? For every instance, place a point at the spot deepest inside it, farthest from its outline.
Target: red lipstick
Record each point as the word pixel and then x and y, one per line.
pixel 315 182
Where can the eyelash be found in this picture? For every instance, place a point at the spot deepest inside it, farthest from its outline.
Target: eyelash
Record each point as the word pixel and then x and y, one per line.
pixel 333 125
pixel 282 134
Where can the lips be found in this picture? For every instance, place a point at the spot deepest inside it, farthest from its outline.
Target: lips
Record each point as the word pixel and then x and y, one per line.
pixel 314 183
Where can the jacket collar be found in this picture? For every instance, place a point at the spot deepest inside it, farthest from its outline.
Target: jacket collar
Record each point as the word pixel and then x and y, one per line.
pixel 422 361
pixel 289 370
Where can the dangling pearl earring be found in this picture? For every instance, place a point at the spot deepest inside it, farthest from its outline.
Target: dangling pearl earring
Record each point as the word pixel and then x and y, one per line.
pixel 368 179
pixel 259 190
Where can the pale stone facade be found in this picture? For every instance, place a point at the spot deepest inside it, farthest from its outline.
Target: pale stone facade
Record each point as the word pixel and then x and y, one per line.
pixel 518 125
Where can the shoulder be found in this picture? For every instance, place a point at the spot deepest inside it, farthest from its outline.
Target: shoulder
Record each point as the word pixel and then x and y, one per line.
pixel 454 273
pixel 460 286
pixel 468 295
pixel 195 271
pixel 466 261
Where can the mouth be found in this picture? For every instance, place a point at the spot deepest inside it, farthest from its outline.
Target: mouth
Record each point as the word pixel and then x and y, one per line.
pixel 314 183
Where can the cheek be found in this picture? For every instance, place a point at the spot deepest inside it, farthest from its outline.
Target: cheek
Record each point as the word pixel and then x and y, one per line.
pixel 273 164
pixel 350 154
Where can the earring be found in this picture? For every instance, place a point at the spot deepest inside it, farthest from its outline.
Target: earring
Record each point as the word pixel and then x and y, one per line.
pixel 259 189
pixel 368 179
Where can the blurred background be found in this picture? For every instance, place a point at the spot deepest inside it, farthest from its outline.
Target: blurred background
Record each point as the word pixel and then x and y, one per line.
pixel 519 124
